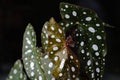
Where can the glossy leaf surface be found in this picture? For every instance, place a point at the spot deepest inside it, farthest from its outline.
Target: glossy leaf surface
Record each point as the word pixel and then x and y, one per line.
pixel 93 47
pixel 17 72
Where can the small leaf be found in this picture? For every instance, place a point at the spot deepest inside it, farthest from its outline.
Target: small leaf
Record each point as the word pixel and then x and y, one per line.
pixel 30 56
pixel 17 72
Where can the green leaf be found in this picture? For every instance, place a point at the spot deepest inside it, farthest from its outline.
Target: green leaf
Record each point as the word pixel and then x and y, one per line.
pixel 31 55
pixel 63 59
pixel 94 49
pixel 93 25
pixel 46 64
pixel 17 73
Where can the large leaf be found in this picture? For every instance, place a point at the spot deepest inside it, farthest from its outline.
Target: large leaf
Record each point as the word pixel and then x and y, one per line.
pixel 17 72
pixel 92 28
pixel 63 59
pixel 31 56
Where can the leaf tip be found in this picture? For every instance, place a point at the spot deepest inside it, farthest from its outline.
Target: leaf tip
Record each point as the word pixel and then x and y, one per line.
pixel 52 20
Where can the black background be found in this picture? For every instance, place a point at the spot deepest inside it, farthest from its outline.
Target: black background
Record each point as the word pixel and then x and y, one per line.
pixel 16 14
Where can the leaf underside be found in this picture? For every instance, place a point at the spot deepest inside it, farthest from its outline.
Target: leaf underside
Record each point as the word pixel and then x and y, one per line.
pixel 53 40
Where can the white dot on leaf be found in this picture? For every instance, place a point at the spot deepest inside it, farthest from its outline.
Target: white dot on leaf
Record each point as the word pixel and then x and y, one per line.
pixel 21 75
pixel 52 28
pixel 62 63
pixel 32 73
pixel 46 56
pixel 28 32
pixel 66 6
pixel 92 75
pixel 26 46
pixel 15 71
pixel 97 53
pixel 97 24
pixel 52 36
pixel 84 13
pixel 71 57
pixel 28 41
pixel 46 41
pixel 67 16
pixel 98 70
pixel 82 51
pixel 56 58
pixel 11 77
pixel 55 48
pixel 49 72
pixel 67 24
pixel 91 29
pixel 40 78
pixel 73 69
pixel 58 40
pixel 98 37
pixel 50 65
pixel 53 78
pixel 82 43
pixel 89 62
pixel 60 31
pixel 88 19
pixel 28 51
pixel 74 13
pixel 46 27
pixel 60 74
pixel 95 47
pixel 32 65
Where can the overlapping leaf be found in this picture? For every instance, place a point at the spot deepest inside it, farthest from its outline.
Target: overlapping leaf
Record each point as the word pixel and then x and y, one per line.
pixel 54 42
pixel 82 34
pixel 46 64
pixel 95 47
pixel 17 72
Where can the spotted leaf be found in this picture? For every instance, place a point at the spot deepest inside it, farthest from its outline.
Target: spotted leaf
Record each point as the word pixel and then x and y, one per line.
pixel 93 25
pixel 67 26
pixel 31 56
pixel 17 72
pixel 57 50
pixel 95 48
pixel 47 67
pixel 51 34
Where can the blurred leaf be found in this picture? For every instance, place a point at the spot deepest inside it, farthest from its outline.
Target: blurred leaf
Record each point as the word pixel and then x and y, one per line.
pixel 17 72
pixel 46 64
pixel 31 55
